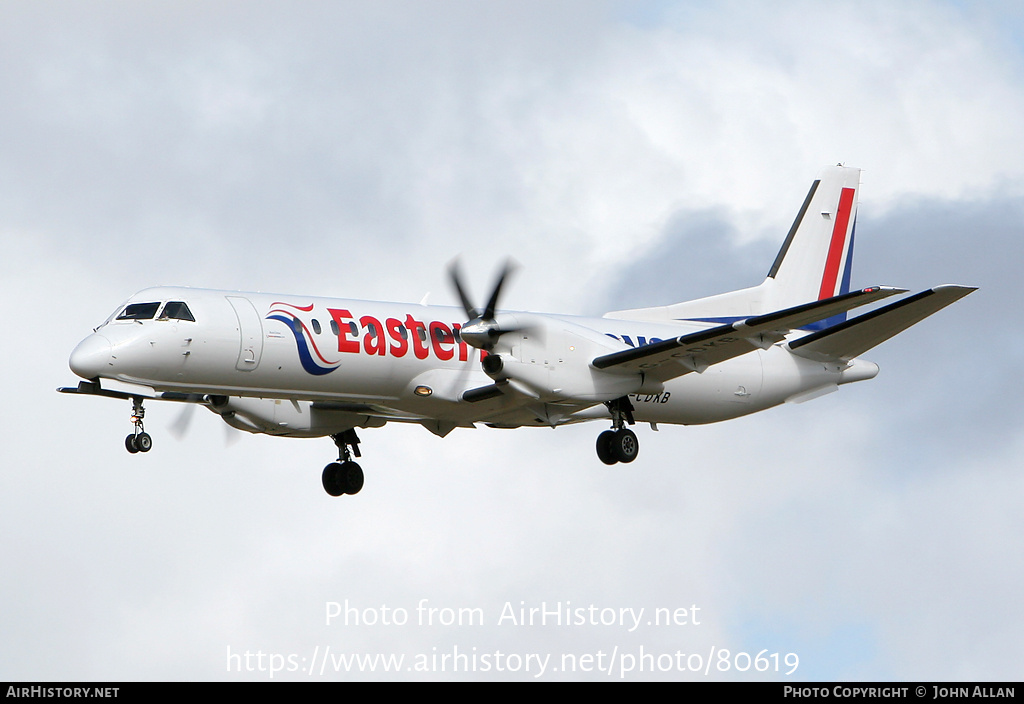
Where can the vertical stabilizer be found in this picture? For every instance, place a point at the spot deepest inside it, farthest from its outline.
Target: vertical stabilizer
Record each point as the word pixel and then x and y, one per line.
pixel 814 263
pixel 816 259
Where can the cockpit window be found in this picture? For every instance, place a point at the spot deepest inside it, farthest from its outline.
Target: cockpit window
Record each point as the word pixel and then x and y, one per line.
pixel 177 310
pixel 139 311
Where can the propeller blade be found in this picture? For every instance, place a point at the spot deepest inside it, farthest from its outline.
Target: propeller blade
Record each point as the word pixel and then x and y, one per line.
pixel 492 304
pixel 231 436
pixel 456 277
pixel 179 428
pixel 481 330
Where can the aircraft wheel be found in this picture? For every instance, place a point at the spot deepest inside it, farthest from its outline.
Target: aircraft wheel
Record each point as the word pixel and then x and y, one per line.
pixel 625 446
pixel 351 477
pixel 332 479
pixel 129 444
pixel 604 447
pixel 143 442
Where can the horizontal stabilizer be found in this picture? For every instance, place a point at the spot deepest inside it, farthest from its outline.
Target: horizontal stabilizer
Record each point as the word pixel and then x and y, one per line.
pixel 854 337
pixel 697 351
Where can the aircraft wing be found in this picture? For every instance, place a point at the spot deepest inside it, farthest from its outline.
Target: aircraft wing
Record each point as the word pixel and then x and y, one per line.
pixel 93 388
pixel 697 351
pixel 857 335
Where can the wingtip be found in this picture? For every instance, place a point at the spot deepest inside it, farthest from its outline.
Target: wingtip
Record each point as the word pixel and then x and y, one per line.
pixel 959 287
pixel 954 291
pixel 886 290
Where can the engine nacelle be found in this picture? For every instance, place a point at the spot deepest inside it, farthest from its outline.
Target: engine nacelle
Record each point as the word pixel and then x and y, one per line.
pixel 286 418
pixel 551 358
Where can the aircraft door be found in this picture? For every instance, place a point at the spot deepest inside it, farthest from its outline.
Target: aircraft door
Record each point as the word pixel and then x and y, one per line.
pixel 250 330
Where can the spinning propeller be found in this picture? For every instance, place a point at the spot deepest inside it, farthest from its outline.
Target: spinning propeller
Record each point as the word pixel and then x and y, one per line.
pixel 179 428
pixel 482 329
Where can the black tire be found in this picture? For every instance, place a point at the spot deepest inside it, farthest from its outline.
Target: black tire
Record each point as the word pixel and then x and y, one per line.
pixel 604 447
pixel 625 446
pixel 143 442
pixel 351 477
pixel 332 479
pixel 129 444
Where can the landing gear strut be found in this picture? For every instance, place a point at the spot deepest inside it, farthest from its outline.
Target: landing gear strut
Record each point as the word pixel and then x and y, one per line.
pixel 344 476
pixel 619 444
pixel 139 440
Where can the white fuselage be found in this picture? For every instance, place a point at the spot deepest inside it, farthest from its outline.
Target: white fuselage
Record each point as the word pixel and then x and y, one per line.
pixel 303 366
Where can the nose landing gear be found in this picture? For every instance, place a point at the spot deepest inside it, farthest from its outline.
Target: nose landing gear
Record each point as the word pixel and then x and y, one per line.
pixel 139 440
pixel 344 476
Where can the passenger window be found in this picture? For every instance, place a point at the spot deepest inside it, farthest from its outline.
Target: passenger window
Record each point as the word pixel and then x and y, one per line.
pixel 316 326
pixel 177 310
pixel 139 311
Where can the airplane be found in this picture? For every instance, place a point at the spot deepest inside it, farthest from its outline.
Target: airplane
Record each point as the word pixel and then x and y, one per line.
pixel 302 366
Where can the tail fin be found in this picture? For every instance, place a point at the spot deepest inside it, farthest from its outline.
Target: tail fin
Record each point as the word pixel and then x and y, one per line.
pixel 816 259
pixel 814 263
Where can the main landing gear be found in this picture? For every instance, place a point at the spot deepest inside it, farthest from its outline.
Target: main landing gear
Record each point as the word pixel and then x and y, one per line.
pixel 139 440
pixel 619 444
pixel 344 476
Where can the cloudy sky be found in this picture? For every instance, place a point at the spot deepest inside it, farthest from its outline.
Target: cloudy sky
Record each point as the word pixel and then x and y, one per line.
pixel 626 154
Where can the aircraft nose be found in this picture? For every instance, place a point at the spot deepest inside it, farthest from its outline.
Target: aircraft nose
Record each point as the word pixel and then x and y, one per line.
pixel 91 358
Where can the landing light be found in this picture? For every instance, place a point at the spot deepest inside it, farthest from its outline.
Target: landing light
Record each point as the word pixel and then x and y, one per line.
pixel 423 391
